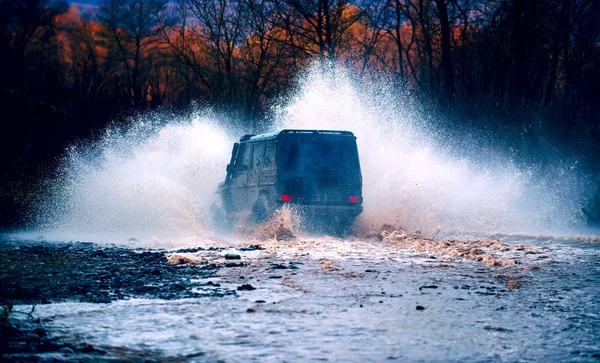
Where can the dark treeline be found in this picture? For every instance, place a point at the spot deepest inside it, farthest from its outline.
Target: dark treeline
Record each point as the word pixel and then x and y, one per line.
pixel 528 70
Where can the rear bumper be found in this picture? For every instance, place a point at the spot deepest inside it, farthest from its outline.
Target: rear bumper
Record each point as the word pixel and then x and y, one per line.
pixel 323 210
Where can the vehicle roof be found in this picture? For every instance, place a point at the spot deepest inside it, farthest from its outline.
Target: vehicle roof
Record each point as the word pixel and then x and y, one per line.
pixel 276 134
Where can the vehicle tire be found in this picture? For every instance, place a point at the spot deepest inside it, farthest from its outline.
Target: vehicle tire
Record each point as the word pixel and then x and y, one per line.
pixel 260 209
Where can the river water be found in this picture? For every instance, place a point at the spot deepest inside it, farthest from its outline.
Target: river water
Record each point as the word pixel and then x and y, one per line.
pixel 356 300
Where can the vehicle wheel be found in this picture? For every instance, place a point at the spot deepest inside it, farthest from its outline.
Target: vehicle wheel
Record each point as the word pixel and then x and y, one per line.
pixel 260 209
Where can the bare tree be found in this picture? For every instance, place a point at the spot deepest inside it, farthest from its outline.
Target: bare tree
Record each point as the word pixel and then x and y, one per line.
pixel 206 36
pixel 445 34
pixel 401 28
pixel 319 25
pixel 20 23
pixel 361 48
pixel 133 27
pixel 263 54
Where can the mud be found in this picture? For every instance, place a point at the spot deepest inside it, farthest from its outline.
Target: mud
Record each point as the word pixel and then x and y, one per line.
pixel 490 252
pixel 279 227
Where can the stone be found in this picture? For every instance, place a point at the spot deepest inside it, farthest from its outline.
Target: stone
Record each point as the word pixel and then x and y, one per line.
pixel 66 350
pixel 251 248
pixel 497 328
pixel 246 287
pixel 277 266
pixel 39 331
pixel 86 348
pixel 233 256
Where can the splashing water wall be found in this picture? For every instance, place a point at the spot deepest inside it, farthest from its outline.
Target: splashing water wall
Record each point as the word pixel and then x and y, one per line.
pixel 154 181
pixel 151 183
pixel 413 182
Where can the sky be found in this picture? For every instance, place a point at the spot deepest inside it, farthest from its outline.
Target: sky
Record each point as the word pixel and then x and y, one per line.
pixel 86 6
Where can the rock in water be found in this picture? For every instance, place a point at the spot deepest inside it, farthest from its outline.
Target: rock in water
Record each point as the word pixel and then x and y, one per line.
pixel 233 256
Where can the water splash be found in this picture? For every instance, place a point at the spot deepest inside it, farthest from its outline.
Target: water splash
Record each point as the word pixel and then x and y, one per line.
pixel 154 181
pixel 418 179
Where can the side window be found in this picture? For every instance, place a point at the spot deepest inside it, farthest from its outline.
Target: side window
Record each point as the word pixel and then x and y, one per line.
pixel 243 157
pixel 238 174
pixel 270 154
pixel 259 152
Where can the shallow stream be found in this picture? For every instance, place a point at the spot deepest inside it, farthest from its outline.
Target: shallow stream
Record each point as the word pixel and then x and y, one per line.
pixel 326 299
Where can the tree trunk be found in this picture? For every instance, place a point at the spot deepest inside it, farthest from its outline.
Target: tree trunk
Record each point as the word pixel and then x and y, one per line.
pixel 448 75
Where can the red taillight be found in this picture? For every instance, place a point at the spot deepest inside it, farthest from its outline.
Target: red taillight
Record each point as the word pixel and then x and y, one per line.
pixel 353 199
pixel 286 198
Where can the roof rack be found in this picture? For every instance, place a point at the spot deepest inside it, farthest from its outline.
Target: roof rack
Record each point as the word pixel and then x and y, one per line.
pixel 273 135
pixel 329 132
pixel 246 137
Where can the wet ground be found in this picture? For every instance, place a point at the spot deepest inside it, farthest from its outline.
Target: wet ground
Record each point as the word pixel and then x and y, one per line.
pixel 392 297
pixel 41 273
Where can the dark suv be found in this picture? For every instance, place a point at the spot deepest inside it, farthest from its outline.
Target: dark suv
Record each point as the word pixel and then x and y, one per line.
pixel 315 171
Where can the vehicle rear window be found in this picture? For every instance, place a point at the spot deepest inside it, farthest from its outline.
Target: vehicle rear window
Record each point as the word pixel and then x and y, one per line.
pixel 324 155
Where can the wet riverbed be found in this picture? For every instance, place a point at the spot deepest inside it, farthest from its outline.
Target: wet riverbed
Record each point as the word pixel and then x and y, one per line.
pixel 327 299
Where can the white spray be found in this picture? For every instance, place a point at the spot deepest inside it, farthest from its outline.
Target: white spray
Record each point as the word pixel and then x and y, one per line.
pixel 155 181
pixel 412 182
pixel 151 183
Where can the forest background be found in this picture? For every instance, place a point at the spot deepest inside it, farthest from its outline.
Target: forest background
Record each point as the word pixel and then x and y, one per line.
pixel 525 71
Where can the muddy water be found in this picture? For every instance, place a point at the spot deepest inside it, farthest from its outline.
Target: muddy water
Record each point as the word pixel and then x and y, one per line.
pixel 356 300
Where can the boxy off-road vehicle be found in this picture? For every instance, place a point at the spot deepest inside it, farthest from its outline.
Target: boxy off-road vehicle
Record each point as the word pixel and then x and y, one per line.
pixel 317 172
